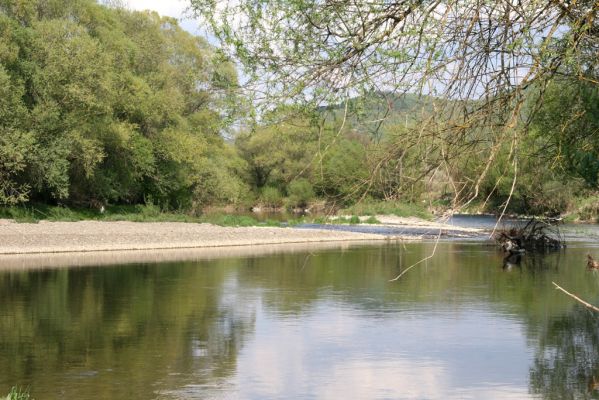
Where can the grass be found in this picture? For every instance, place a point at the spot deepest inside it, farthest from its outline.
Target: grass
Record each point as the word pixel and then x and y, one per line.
pixel 151 213
pixel 399 209
pixel 37 212
pixel 18 394
pixel 237 220
pixel 134 213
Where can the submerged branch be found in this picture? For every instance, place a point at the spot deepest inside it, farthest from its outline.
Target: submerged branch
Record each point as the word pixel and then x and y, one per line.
pixel 421 261
pixel 578 299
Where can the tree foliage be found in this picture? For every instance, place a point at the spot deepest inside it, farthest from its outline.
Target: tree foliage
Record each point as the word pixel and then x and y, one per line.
pixel 305 154
pixel 479 60
pixel 102 104
pixel 569 141
pixel 464 49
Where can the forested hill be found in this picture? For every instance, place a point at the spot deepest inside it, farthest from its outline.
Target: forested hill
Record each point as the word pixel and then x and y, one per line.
pixel 108 105
pixel 373 112
pixel 369 112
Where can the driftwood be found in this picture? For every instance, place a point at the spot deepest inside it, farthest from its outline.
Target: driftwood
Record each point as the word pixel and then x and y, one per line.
pixel 578 299
pixel 535 236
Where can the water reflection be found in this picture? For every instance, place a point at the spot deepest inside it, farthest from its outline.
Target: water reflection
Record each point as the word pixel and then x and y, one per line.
pixel 323 324
pixel 566 365
pixel 117 332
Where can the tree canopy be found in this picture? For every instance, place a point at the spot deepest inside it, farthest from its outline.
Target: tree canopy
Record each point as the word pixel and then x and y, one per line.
pixel 486 64
pixel 102 104
pixel 425 101
pixel 455 48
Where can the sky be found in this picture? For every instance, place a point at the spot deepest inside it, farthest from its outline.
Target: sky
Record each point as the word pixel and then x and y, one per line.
pixel 171 8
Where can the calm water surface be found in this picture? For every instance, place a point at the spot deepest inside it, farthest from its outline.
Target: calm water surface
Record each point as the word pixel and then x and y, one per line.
pixel 322 325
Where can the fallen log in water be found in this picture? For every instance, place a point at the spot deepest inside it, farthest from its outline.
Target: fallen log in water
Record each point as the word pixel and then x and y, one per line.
pixel 536 235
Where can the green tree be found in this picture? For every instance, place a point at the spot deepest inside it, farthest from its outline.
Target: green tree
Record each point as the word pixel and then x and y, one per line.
pixel 569 142
pixel 342 174
pixel 103 104
pixel 16 145
pixel 281 149
pixel 478 59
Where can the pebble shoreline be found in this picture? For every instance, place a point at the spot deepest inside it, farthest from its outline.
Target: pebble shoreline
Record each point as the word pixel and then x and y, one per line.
pixel 88 236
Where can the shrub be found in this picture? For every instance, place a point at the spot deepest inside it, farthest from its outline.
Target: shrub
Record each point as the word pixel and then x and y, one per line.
pixel 271 197
pixel 372 220
pixel 354 220
pixel 374 207
pixel 300 192
pixel 586 209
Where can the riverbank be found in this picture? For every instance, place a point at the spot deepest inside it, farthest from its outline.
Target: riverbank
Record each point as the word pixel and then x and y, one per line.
pixel 88 236
pixel 94 236
pixel 83 243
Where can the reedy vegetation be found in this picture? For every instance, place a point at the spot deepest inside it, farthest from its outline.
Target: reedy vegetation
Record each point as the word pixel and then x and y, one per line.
pixel 17 394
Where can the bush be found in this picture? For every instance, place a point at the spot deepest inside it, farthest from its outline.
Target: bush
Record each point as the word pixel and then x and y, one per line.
pixel 300 193
pixel 586 209
pixel 148 210
pixel 353 220
pixel 271 197
pixel 374 207
pixel 372 220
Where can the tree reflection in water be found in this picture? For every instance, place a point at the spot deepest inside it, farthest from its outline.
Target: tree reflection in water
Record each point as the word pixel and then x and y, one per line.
pixel 122 332
pixel 566 365
pixel 226 327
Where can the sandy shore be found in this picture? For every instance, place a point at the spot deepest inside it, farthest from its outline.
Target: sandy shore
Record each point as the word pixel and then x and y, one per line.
pixel 414 222
pixel 94 236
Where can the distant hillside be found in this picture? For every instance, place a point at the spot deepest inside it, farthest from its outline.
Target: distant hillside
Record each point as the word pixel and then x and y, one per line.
pixel 371 113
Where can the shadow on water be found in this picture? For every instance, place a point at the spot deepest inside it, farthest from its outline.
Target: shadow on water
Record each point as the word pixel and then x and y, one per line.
pixel 533 262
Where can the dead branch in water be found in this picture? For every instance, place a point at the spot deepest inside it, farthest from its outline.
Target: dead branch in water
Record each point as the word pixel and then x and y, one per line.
pixel 421 261
pixel 536 236
pixel 578 299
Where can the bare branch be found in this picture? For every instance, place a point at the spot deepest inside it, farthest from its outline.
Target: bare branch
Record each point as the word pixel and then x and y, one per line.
pixel 578 299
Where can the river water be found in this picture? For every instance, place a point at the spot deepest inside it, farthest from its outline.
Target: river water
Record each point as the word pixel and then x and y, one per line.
pixel 320 325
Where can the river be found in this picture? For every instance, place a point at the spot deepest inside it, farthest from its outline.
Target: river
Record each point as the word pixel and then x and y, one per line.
pixel 326 324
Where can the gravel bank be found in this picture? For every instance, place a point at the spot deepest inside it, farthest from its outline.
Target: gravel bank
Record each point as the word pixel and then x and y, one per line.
pixel 94 236
pixel 22 262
